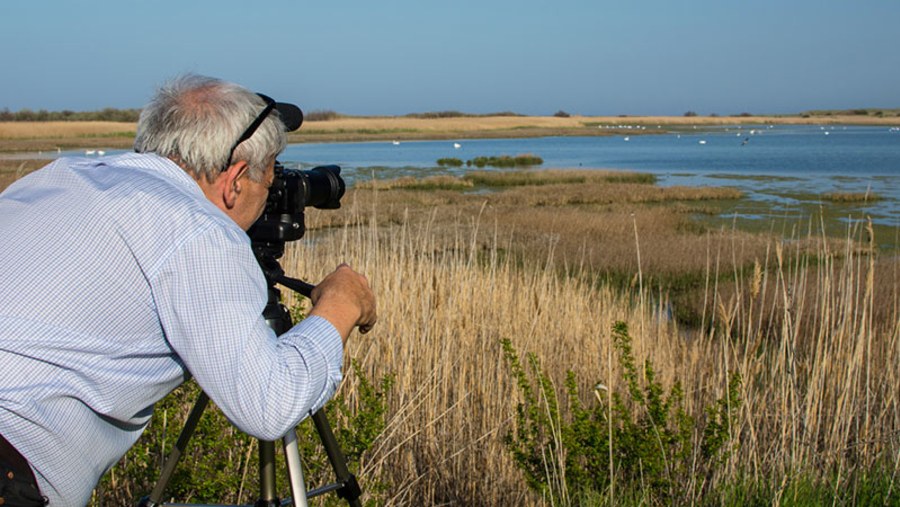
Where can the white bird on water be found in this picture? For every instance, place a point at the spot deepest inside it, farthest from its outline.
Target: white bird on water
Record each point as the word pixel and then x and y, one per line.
pixel 457 145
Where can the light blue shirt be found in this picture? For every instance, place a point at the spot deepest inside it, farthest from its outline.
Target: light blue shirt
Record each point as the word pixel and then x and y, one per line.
pixel 118 278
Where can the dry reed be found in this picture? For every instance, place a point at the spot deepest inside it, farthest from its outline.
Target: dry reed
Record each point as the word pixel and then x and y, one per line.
pixel 63 129
pixel 820 395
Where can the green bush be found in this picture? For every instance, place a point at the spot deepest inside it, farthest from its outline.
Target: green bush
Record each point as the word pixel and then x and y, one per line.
pixel 506 161
pixel 459 114
pixel 220 463
pixel 438 114
pixel 449 162
pixel 321 115
pixel 106 114
pixel 638 442
pixel 360 423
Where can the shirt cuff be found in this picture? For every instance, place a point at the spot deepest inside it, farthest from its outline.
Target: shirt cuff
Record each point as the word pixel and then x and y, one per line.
pixel 328 338
pixel 324 338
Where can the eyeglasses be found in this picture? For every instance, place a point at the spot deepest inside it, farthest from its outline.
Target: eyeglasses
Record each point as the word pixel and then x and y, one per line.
pixel 270 105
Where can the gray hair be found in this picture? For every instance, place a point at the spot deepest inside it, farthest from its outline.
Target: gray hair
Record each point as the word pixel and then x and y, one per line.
pixel 194 120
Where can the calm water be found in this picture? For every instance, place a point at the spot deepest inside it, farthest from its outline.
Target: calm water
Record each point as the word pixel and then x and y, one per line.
pixel 781 165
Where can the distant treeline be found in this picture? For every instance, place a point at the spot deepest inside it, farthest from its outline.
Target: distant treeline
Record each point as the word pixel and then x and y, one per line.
pixel 852 112
pixel 326 115
pixel 108 114
pixel 459 114
pixel 131 115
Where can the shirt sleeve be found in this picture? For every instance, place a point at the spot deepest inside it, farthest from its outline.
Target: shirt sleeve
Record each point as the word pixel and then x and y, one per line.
pixel 210 294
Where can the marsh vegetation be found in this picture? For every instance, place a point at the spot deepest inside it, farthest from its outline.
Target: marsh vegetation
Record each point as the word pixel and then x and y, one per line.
pixel 660 361
pixel 808 323
pixel 640 348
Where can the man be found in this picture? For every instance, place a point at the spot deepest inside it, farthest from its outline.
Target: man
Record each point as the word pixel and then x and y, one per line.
pixel 124 275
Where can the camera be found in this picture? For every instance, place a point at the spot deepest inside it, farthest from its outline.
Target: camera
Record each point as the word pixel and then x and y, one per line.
pixel 292 191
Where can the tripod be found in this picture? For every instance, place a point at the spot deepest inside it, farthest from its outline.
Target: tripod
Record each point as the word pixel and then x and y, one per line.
pixel 279 320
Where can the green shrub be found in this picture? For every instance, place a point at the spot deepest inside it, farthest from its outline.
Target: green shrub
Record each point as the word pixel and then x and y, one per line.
pixel 506 161
pixel 321 115
pixel 106 114
pixel 438 114
pixel 360 424
pixel 449 162
pixel 851 197
pixel 212 467
pixel 220 463
pixel 637 442
pixel 459 114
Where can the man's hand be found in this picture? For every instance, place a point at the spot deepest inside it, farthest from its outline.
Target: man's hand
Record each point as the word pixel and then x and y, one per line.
pixel 345 299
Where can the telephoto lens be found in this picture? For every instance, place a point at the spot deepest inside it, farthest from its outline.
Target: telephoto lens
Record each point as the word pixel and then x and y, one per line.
pixel 320 187
pixel 293 190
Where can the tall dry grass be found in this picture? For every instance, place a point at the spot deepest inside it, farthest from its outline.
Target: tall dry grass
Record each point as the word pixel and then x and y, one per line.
pixel 820 370
pixel 63 129
pixel 444 309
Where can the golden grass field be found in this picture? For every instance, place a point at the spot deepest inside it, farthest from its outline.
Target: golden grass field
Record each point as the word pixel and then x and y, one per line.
pixel 812 327
pixel 62 129
pixel 810 323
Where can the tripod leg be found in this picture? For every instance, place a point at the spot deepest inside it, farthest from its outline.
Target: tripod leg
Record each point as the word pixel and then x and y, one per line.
pixel 180 445
pixel 295 472
pixel 268 497
pixel 349 490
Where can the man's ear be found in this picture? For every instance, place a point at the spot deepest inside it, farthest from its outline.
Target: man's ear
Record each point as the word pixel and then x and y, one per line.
pixel 231 181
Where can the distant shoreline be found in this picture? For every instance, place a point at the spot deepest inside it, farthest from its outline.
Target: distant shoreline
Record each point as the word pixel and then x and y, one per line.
pixel 19 137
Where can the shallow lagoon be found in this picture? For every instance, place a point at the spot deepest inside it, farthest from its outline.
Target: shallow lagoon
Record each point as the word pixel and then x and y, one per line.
pixel 779 167
pixel 784 170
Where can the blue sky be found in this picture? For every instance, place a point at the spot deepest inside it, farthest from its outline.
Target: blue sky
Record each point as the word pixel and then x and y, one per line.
pixel 394 57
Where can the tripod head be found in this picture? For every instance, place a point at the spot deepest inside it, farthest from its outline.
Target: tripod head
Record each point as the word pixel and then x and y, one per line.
pixel 283 220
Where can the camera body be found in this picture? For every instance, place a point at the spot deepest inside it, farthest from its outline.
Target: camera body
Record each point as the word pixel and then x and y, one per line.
pixel 292 190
